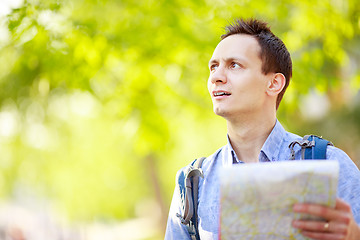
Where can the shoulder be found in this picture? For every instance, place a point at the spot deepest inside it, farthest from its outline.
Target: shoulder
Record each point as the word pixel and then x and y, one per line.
pixel 347 166
pixel 206 162
pixel 334 153
pixel 349 179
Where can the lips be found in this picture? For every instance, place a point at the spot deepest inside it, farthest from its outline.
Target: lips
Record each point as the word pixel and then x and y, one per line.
pixel 220 93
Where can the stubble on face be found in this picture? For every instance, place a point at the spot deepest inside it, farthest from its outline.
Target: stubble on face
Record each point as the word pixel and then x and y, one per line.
pixel 246 82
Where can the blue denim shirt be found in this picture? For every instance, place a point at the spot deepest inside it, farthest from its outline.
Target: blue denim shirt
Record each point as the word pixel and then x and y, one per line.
pixel 275 148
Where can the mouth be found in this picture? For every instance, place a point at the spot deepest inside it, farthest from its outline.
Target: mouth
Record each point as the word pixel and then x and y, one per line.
pixel 220 93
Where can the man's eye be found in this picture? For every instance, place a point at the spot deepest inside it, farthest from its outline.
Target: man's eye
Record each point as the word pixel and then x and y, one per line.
pixel 213 67
pixel 235 65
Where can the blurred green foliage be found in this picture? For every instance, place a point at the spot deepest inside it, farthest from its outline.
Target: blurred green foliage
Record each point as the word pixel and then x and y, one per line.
pixel 102 101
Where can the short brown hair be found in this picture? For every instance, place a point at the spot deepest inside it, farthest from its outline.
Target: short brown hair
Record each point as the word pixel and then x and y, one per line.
pixel 274 55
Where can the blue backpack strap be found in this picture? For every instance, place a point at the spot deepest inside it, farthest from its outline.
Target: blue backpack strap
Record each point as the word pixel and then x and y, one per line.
pixel 317 150
pixel 312 147
pixel 188 182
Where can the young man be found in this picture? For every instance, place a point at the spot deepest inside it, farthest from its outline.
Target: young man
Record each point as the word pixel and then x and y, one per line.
pixel 250 70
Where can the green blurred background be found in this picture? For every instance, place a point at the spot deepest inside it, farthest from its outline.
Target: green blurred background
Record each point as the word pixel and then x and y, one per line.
pixel 101 102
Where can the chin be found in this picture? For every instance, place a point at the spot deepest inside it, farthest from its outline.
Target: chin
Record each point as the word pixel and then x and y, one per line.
pixel 220 112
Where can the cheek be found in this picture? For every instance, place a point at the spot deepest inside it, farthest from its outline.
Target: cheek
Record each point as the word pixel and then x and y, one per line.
pixel 209 85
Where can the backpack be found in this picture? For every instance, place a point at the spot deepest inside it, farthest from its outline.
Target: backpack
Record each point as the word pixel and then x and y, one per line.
pixel 312 147
pixel 188 182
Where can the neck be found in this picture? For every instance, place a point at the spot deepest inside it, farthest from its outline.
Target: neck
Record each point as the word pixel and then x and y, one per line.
pixel 248 135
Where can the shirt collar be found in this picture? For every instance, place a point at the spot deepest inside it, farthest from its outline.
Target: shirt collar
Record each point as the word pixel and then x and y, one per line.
pixel 231 153
pixel 269 151
pixel 271 147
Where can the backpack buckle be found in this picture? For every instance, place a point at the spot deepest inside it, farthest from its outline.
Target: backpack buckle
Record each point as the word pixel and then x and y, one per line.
pixel 303 143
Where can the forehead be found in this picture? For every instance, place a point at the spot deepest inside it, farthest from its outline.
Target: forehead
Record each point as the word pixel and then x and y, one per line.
pixel 238 45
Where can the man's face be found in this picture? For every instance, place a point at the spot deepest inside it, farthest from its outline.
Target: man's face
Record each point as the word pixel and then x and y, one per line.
pixel 236 83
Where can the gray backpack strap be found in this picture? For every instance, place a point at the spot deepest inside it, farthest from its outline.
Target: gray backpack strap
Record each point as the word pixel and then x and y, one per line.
pixel 188 181
pixel 303 143
pixel 198 163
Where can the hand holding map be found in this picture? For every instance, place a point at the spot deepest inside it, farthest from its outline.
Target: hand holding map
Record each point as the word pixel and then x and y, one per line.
pixel 257 199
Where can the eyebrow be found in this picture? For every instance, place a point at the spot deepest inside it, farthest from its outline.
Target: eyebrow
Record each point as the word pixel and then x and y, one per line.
pixel 229 59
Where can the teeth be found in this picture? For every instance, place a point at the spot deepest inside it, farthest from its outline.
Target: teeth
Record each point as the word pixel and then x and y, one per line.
pixel 220 93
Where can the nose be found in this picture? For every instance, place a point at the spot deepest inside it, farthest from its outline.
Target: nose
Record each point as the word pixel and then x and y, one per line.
pixel 218 76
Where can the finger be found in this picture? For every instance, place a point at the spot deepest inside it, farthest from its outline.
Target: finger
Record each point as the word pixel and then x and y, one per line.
pixel 328 213
pixel 342 205
pixel 323 236
pixel 320 226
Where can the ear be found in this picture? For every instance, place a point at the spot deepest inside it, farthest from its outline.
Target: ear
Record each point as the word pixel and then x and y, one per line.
pixel 276 84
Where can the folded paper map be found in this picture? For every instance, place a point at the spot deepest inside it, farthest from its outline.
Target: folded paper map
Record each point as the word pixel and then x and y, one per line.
pixel 257 199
